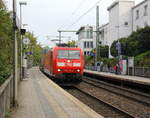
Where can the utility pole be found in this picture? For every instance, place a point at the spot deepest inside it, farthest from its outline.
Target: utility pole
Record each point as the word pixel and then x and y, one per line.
pixel 21 38
pixel 59 37
pixel 15 61
pixel 60 31
pixel 97 34
pixel 20 43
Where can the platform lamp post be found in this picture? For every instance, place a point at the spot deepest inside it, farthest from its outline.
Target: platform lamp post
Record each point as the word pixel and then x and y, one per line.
pixel 21 37
pixel 118 47
pixel 15 55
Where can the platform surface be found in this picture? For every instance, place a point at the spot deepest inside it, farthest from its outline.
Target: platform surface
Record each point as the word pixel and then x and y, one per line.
pixel 39 97
pixel 124 77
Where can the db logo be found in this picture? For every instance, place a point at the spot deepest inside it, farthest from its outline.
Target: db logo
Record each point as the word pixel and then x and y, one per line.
pixel 69 64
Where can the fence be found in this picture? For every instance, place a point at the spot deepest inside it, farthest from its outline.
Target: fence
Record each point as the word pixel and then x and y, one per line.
pixel 138 71
pixel 6 97
pixel 142 71
pixel 102 69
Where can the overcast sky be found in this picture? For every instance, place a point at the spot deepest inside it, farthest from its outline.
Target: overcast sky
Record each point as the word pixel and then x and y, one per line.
pixel 45 17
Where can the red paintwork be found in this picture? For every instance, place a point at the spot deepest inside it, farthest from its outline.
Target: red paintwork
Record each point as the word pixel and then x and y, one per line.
pixel 49 62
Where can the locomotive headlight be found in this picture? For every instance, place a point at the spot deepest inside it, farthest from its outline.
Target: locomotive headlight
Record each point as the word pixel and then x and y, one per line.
pixel 60 64
pixel 59 70
pixel 78 70
pixel 76 64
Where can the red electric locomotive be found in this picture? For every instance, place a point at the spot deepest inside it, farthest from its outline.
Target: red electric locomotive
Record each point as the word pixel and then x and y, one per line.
pixel 64 63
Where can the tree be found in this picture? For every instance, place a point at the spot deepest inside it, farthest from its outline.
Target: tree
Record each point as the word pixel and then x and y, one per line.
pixel 104 51
pixel 137 43
pixel 72 43
pixel 5 43
pixel 34 49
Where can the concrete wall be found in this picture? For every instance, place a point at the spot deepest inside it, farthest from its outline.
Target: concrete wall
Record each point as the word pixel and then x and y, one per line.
pixel 104 35
pixel 143 19
pixel 125 18
pixel 6 97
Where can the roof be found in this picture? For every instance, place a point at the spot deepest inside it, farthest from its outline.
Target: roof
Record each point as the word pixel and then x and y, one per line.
pixel 116 2
pixel 80 30
pixel 112 5
pixel 140 4
pixel 83 27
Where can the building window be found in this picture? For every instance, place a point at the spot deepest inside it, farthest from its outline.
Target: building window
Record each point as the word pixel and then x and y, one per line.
pixel 145 10
pixel 126 23
pixel 84 44
pixel 88 45
pixel 89 34
pixel 91 43
pixel 102 35
pixel 88 52
pixel 137 14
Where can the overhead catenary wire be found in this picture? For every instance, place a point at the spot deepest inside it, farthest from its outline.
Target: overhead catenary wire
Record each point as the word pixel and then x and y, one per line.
pixel 80 17
pixel 74 12
pixel 78 7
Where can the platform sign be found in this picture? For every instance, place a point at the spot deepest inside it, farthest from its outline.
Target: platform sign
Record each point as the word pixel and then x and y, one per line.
pixel 92 54
pixel 26 41
pixel 118 48
pixel 131 62
pixel 29 53
pixel 123 66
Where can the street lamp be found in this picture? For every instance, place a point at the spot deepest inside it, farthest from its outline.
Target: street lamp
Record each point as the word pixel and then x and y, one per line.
pixel 15 63
pixel 21 44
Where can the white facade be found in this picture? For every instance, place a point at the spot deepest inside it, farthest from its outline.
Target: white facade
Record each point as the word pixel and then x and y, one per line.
pixel 104 34
pixel 124 18
pixel 141 15
pixel 86 38
pixel 120 19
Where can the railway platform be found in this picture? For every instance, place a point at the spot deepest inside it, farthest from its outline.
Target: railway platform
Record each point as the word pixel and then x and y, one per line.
pixel 39 97
pixel 142 81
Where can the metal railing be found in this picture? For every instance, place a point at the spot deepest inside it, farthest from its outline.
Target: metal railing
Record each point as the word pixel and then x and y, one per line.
pixel 138 71
pixel 6 97
pixel 142 71
pixel 100 69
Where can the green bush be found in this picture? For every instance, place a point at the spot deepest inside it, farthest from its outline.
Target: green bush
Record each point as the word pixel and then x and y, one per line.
pixel 137 43
pixel 35 48
pixel 143 59
pixel 89 60
pixel 104 51
pixel 5 44
pixel 111 62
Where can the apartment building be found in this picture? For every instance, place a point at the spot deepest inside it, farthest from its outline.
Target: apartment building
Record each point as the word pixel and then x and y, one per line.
pixel 120 19
pixel 124 18
pixel 86 38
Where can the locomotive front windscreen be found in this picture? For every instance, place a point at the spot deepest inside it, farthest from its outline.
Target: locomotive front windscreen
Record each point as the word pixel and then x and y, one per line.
pixel 69 54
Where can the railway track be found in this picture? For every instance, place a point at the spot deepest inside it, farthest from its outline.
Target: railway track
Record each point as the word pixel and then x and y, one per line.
pixel 129 103
pixel 106 109
pixel 128 93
